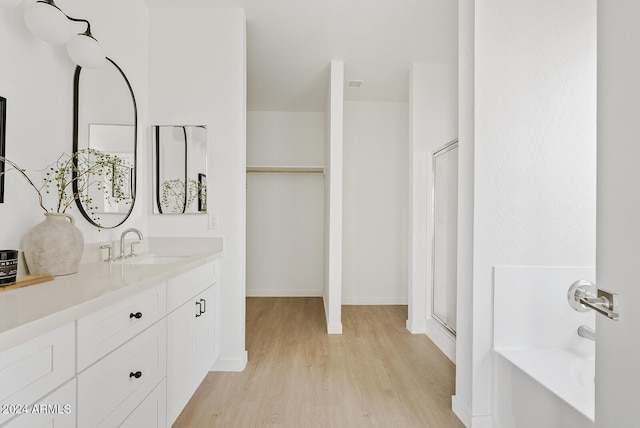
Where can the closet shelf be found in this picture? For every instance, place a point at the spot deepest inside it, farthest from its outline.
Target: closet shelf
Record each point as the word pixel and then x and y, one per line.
pixel 285 170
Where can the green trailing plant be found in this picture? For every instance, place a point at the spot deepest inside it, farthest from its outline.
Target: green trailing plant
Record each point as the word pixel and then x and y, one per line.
pixel 70 177
pixel 176 196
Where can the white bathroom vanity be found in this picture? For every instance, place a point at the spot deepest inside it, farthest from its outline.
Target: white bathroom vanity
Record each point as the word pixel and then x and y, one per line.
pixel 117 344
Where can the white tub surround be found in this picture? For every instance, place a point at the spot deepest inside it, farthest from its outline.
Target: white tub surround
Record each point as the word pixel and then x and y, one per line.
pixel 564 372
pixel 539 356
pixel 524 399
pixel 28 312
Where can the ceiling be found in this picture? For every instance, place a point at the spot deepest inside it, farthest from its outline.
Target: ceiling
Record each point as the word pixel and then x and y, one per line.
pixel 290 44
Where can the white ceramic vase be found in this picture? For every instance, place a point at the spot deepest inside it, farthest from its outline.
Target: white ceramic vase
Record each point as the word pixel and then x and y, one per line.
pixel 53 246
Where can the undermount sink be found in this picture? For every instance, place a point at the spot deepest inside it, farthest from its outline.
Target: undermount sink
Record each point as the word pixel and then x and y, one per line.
pixel 151 259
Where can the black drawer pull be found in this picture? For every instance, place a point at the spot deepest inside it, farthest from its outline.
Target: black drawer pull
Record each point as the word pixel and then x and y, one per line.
pixel 199 305
pixel 137 374
pixel 137 315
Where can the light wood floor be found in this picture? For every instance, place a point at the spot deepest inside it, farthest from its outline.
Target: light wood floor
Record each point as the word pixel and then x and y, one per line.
pixel 374 374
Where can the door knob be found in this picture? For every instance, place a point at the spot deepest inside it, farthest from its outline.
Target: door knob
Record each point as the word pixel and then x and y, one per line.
pixel 583 295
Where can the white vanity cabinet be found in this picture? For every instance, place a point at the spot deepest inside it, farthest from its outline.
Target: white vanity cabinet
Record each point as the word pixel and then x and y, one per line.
pixel 152 412
pixel 117 384
pixel 135 361
pixel 54 410
pixel 31 370
pixel 122 354
pixel 190 335
pixel 204 334
pixel 105 330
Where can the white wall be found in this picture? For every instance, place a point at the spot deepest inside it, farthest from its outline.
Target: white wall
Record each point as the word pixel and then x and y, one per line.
pixel 461 401
pixel 534 159
pixel 285 212
pixel 197 75
pixel 37 80
pixel 375 198
pixel 334 117
pixel 282 138
pixel 433 124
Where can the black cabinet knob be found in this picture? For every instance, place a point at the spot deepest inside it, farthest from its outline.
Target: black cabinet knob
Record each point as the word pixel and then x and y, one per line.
pixel 137 315
pixel 137 374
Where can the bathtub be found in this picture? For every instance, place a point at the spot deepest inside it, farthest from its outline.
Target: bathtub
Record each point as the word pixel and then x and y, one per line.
pixel 544 372
pixel 562 374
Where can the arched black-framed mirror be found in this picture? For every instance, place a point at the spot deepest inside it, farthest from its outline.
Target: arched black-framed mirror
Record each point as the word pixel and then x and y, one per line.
pixel 105 129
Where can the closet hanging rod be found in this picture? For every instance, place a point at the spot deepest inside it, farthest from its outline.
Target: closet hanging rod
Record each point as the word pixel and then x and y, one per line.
pixel 285 170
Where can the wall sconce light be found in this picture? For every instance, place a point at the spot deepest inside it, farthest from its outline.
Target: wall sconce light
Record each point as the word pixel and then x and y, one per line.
pixel 50 24
pixel 85 50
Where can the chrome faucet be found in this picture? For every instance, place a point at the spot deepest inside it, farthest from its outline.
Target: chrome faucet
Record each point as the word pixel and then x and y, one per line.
pixel 124 234
pixel 587 332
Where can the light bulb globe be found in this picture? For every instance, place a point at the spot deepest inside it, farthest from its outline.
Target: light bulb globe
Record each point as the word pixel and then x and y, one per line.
pixel 48 23
pixel 85 51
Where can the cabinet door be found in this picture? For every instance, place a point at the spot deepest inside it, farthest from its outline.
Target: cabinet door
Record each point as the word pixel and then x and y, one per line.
pixel 191 349
pixel 180 340
pixel 55 410
pixel 204 335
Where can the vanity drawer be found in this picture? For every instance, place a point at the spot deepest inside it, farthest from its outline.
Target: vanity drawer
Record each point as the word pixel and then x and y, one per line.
pixel 152 412
pixel 183 287
pixel 33 369
pixel 105 330
pixel 109 389
pixel 57 409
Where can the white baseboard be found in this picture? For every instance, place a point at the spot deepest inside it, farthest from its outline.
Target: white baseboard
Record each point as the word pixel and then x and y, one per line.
pixel 334 327
pixel 231 364
pixel 485 421
pixel 374 300
pixel 282 293
pixel 442 338
pixel 461 411
pixel 464 414
pixel 416 327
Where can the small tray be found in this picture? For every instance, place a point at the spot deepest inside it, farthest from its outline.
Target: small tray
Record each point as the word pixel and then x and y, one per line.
pixel 23 281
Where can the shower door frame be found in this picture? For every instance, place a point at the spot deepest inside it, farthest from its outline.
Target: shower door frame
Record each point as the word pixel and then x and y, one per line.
pixel 452 145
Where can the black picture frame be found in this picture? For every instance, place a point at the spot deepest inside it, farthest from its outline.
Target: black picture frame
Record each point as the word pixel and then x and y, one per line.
pixel 202 192
pixel 126 171
pixel 3 134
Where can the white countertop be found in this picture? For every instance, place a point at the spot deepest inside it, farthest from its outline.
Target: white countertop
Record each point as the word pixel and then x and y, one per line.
pixel 33 310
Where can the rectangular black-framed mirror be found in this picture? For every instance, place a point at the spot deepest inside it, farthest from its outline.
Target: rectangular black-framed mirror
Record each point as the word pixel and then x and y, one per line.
pixel 180 169
pixel 3 125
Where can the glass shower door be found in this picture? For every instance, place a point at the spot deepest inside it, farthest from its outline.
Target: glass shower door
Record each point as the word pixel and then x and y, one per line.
pixel 445 236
